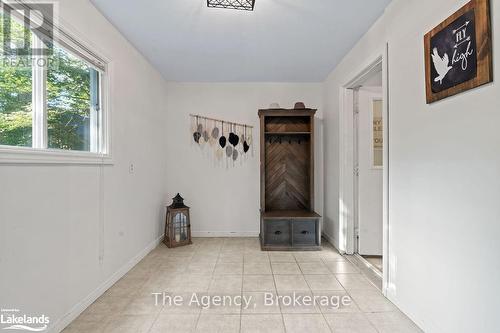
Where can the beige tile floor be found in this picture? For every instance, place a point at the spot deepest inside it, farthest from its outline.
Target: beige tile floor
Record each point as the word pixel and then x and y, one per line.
pixel 233 267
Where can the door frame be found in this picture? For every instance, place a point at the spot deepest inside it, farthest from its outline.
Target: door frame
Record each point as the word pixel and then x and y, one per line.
pixel 347 202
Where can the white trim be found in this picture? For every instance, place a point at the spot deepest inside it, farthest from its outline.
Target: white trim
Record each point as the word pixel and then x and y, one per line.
pixel 39 132
pixel 105 138
pixel 368 265
pixel 95 110
pixel 60 35
pixel 84 43
pixel 346 191
pixel 331 240
pixel 346 180
pixel 208 234
pixel 386 259
pixel 64 321
pixel 367 269
pixel 28 155
pixel 354 231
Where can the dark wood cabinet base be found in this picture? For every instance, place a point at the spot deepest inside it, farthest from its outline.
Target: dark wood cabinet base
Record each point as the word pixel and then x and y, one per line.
pixel 290 231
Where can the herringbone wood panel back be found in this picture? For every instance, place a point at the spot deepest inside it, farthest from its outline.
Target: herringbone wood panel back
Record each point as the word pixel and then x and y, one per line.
pixel 287 175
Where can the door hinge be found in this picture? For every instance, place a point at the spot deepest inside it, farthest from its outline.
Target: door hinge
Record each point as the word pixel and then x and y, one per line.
pixel 356 172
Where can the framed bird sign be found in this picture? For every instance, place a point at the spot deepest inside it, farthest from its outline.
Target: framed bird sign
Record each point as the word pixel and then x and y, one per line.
pixel 458 52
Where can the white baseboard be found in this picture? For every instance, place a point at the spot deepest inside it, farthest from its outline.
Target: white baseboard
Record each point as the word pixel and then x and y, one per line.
pixel 331 240
pixel 61 323
pixel 224 234
pixel 417 317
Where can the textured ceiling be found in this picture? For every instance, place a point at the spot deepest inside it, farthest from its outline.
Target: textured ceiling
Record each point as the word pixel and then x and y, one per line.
pixel 280 41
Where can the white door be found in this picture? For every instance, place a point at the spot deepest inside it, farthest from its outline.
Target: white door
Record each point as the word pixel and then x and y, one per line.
pixel 370 170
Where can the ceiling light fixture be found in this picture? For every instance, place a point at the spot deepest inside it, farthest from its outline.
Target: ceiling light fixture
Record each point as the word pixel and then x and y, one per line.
pixel 232 4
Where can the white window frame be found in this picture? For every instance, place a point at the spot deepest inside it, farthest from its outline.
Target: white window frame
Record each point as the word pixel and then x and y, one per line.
pixel 100 137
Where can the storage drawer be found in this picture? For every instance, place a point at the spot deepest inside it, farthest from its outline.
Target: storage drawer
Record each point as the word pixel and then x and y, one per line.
pixel 305 233
pixel 277 232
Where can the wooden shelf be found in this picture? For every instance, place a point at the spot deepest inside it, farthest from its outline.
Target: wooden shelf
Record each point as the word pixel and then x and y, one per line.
pixel 287 133
pixel 288 222
pixel 286 112
pixel 290 214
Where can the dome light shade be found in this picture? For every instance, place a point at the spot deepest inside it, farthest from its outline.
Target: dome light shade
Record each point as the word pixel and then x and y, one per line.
pixel 232 4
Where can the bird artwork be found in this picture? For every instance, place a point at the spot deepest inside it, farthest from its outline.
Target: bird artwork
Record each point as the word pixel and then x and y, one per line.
pixel 459 53
pixel 442 65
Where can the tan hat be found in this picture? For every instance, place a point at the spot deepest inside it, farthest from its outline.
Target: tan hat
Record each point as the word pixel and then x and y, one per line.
pixel 299 106
pixel 274 106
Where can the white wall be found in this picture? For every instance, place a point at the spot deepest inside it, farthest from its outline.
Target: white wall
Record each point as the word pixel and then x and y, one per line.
pixel 225 199
pixel 444 184
pixel 49 215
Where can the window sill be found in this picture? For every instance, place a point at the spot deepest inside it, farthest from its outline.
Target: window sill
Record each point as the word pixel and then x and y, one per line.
pixel 24 155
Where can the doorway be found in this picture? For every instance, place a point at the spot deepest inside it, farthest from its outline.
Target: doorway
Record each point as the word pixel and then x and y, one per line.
pixel 368 166
pixel 364 169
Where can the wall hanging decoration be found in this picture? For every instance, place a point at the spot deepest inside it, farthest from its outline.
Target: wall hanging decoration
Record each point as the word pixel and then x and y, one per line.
pixel 197 134
pixel 205 132
pixel 215 132
pixel 246 147
pixel 232 140
pixel 229 151
pixel 222 140
pixel 458 52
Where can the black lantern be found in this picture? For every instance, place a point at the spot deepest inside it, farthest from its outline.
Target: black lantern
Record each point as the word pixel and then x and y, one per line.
pixel 232 4
pixel 177 224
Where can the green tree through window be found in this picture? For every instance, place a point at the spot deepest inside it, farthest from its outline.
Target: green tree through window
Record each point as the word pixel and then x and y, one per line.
pixel 15 95
pixel 68 103
pixel 69 83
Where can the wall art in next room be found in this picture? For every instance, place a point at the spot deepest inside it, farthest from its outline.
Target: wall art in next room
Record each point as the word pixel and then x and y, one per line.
pixel 458 52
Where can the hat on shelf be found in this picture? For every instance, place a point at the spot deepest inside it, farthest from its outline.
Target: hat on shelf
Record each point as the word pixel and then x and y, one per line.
pixel 274 106
pixel 299 106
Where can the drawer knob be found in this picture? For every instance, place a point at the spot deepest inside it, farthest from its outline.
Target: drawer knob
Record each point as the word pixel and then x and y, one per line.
pixel 277 232
pixel 305 232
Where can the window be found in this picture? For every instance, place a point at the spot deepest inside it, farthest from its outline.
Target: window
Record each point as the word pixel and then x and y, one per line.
pixel 378 134
pixel 50 100
pixel 72 95
pixel 15 93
